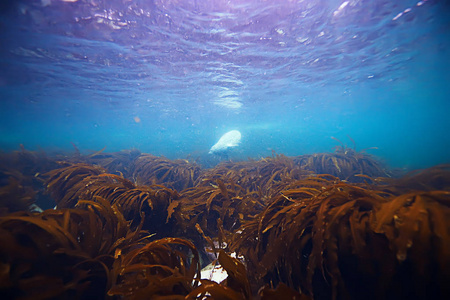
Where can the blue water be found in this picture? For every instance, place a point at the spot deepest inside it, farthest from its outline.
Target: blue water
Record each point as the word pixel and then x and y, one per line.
pixel 170 77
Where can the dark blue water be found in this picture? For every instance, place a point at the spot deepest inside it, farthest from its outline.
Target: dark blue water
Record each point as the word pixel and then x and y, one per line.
pixel 170 77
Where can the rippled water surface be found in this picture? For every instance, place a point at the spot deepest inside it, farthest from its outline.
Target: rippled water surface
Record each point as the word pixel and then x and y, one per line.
pixel 170 77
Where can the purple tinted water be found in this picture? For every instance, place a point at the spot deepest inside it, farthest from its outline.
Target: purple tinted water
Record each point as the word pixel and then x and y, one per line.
pixel 287 74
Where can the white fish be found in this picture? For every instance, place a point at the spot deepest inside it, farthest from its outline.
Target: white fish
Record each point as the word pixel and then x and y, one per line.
pixel 229 140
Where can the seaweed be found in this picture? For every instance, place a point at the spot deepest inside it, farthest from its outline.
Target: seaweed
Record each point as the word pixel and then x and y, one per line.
pixel 300 236
pixel 15 196
pixel 20 183
pixel 156 270
pixel 26 162
pixel 417 227
pixel 235 287
pixel 117 162
pixel 177 174
pixel 70 184
pixel 346 163
pixel 143 232
pixel 281 292
pixel 430 179
pixel 265 177
pixel 63 253
pixel 224 202
pixel 60 181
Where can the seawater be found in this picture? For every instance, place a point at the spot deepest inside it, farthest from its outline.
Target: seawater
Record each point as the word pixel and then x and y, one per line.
pixel 171 77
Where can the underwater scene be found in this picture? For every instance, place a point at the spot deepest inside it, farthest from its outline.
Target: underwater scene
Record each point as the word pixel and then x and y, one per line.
pixel 224 149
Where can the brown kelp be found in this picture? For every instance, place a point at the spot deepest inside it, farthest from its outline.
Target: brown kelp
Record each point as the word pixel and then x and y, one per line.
pixel 223 205
pixel 287 240
pixel 60 182
pixel 235 287
pixel 16 195
pixel 91 252
pixel 120 229
pixel 156 269
pixel 28 163
pixel 330 242
pixel 20 182
pixel 119 162
pixel 417 227
pixel 70 184
pixel 159 270
pixel 430 179
pixel 281 292
pixel 266 176
pixel 177 174
pixel 63 253
pixel 346 163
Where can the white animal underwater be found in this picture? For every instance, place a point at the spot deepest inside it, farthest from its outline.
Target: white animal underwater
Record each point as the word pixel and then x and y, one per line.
pixel 229 140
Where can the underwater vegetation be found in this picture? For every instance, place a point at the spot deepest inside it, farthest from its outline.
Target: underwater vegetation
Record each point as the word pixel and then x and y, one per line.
pixel 176 174
pixel 346 163
pixel 130 225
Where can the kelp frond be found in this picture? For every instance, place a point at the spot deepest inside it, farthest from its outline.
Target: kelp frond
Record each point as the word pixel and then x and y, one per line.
pixel 62 252
pixel 177 174
pixel 297 223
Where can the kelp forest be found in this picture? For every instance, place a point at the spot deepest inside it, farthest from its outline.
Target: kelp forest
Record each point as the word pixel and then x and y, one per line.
pixel 131 225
